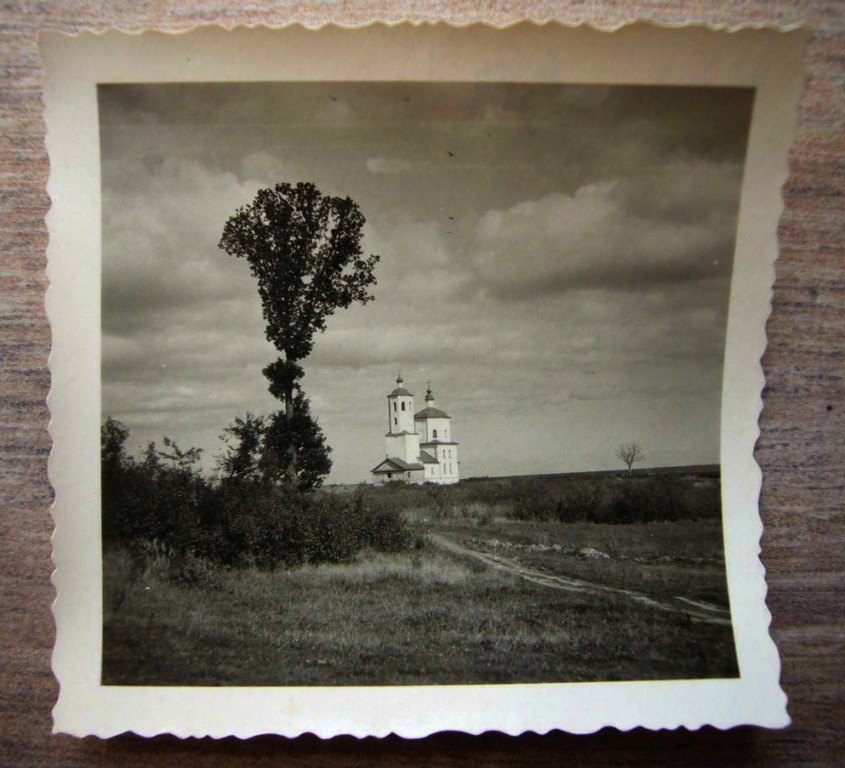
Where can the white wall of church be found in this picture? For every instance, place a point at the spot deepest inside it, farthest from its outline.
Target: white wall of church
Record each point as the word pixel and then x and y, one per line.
pixel 434 429
pixel 404 446
pixel 444 452
pixel 401 413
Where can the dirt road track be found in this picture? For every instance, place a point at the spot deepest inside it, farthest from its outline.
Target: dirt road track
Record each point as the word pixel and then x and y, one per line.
pixel 696 610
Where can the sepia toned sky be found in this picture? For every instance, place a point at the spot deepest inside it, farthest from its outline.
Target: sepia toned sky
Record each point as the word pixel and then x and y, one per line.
pixel 556 260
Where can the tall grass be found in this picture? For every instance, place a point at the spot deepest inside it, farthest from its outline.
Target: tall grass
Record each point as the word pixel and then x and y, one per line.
pixel 391 619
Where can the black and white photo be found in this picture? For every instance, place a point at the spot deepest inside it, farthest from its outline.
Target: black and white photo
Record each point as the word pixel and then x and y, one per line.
pixel 397 381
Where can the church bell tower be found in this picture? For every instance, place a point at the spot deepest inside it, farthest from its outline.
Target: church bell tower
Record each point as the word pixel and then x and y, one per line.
pixel 400 409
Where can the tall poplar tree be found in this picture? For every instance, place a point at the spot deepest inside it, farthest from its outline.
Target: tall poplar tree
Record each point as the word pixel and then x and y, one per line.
pixel 304 249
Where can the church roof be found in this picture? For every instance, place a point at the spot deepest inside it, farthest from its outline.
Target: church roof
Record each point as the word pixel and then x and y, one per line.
pixel 431 413
pixel 427 458
pixel 401 391
pixel 393 463
pixel 440 442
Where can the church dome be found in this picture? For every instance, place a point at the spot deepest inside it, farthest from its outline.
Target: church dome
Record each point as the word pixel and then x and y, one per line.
pixel 400 391
pixel 431 413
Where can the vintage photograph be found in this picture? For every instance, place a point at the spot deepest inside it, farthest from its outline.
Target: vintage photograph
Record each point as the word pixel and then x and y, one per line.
pixel 412 392
pixel 415 383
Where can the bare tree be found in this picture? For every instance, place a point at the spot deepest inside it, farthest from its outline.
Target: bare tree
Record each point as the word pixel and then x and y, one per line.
pixel 630 454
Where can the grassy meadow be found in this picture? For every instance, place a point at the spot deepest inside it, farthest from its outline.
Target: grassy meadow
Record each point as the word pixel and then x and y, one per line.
pixel 428 615
pixel 683 558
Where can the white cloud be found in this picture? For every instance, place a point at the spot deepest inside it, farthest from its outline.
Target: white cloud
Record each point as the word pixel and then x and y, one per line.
pixel 612 232
pixel 389 166
pixel 265 167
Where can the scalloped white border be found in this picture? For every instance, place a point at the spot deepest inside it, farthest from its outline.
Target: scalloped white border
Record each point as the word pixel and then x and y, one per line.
pixel 767 59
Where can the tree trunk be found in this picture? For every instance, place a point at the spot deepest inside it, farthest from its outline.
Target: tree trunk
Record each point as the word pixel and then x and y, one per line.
pixel 290 474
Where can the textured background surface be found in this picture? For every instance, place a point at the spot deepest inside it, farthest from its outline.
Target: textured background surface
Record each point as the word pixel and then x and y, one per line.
pixel 800 448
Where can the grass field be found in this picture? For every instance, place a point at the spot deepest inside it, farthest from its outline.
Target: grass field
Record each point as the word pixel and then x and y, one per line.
pixel 430 617
pixel 683 558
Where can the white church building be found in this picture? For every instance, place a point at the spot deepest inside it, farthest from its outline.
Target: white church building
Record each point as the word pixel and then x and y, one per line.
pixel 420 448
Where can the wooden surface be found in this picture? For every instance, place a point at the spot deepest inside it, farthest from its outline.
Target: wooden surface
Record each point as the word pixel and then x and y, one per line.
pixel 800 448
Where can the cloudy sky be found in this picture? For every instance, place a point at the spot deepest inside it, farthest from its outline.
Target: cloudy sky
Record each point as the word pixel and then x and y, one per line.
pixel 555 259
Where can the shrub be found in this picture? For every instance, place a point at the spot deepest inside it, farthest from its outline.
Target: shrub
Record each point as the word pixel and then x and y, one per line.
pixel 184 527
pixel 482 514
pixel 330 534
pixel 437 498
pixel 380 524
pixel 634 504
pixel 533 500
pixel 579 501
pixel 195 571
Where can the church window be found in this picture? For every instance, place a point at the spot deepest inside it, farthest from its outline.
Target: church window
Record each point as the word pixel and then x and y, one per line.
pixel 394 405
pixel 403 406
pixel 434 432
pixel 395 421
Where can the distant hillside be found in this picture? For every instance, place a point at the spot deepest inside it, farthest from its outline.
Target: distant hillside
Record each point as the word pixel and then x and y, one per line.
pixel 614 496
pixel 712 471
pixel 696 470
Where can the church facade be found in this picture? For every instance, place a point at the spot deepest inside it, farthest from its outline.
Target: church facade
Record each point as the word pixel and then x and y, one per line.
pixel 420 448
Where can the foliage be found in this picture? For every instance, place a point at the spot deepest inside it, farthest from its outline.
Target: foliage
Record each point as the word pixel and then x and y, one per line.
pixel 380 525
pixel 283 376
pixel 261 449
pixel 113 437
pixel 533 500
pixel 297 438
pixel 244 440
pixel 304 249
pixel 191 570
pixel 596 497
pixel 163 510
pixel 160 498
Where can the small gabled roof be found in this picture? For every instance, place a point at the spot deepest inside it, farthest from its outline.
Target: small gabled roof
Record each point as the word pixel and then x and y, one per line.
pixel 427 458
pixel 431 413
pixel 405 464
pixel 393 463
pixel 386 465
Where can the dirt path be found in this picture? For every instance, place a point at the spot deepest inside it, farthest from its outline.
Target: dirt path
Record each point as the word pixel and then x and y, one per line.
pixel 697 610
